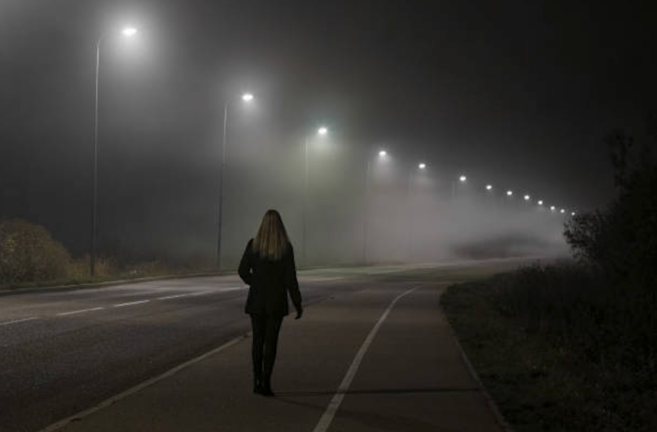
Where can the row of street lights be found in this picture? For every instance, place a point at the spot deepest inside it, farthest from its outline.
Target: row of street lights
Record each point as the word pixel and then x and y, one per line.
pixel 527 198
pixel 248 98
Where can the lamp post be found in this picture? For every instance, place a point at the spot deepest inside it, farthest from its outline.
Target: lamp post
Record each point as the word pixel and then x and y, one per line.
pixel 366 210
pixel 322 131
pixel 127 32
pixel 421 167
pixel 246 98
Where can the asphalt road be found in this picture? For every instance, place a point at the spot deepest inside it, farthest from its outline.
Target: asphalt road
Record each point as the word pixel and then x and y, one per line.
pixel 64 352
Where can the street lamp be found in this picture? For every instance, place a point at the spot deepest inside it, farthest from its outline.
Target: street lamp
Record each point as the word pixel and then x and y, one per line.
pixel 462 179
pixel 526 197
pixel 246 98
pixel 552 208
pixel 540 202
pixel 366 211
pixel 509 193
pixel 489 187
pixel 421 166
pixel 127 32
pixel 573 213
pixel 322 131
pixel 562 211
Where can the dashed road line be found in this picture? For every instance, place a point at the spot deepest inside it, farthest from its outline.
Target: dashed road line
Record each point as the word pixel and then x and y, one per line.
pixel 131 303
pixel 134 303
pixel 172 297
pixel 321 279
pixel 18 321
pixel 80 311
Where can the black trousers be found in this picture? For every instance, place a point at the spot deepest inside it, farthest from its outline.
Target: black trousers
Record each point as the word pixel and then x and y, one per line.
pixel 265 341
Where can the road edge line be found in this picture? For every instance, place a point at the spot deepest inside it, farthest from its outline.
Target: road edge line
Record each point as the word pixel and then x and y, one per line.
pixel 139 387
pixel 334 405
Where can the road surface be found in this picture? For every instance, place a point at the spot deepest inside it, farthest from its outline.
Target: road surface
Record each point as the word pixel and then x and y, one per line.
pixel 372 352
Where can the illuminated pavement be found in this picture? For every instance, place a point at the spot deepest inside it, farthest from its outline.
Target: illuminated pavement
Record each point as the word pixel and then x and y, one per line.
pixel 67 352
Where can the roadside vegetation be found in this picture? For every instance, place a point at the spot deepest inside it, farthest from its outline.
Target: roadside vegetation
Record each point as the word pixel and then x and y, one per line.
pixel 30 256
pixel 573 346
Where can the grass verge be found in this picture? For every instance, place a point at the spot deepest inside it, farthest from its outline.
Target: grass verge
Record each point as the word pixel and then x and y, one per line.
pixel 556 355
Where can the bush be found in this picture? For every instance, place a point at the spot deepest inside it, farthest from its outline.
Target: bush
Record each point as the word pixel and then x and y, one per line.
pixel 29 253
pixel 563 347
pixel 577 306
pixel 621 240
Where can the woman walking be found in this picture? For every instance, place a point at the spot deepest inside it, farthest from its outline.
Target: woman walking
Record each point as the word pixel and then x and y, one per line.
pixel 267 266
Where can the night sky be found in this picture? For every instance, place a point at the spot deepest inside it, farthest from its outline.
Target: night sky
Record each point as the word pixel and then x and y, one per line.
pixel 517 93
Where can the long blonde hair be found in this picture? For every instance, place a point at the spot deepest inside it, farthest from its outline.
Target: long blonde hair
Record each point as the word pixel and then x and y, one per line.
pixel 271 242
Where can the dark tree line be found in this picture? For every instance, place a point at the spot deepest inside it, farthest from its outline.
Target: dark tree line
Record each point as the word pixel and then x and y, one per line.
pixel 621 239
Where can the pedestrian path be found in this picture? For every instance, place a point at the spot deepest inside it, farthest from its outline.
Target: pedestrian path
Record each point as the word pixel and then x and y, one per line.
pixel 358 362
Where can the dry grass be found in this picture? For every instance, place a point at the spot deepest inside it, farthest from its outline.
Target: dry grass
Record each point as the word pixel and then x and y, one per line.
pixel 30 257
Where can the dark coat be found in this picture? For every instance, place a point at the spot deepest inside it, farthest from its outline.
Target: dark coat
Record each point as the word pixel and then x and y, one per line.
pixel 269 282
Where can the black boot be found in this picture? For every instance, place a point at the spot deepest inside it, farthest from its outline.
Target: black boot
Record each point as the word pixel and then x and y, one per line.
pixel 257 379
pixel 266 390
pixel 257 385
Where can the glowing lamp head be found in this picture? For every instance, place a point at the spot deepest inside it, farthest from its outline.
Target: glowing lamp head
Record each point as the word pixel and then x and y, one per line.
pixel 526 197
pixel 562 211
pixel 573 213
pixel 422 166
pixel 509 193
pixel 322 131
pixel 489 187
pixel 247 97
pixel 129 31
pixel 540 202
pixel 553 208
pixel 462 178
pixel 383 153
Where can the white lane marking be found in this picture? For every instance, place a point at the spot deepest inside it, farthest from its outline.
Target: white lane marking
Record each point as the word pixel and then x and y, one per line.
pixel 332 408
pixel 320 279
pixel 172 297
pixel 131 303
pixel 81 415
pixel 18 321
pixel 80 311
pixel 221 290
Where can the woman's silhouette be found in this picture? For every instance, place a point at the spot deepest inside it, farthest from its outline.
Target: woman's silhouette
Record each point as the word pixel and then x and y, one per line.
pixel 268 268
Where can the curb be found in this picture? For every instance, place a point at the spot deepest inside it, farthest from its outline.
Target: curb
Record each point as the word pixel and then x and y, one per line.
pixel 504 424
pixel 73 287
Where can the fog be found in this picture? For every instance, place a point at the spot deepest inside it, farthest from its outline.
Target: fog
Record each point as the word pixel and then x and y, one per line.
pixel 502 107
pixel 399 213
